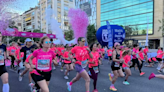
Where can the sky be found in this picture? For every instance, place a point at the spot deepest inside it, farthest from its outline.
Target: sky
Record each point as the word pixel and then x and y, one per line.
pixel 20 6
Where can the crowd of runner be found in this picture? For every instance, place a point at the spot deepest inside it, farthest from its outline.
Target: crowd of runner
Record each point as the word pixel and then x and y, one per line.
pixel 40 58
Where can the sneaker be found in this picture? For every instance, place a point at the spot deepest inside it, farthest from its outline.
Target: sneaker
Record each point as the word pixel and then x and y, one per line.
pixel 68 86
pixel 20 77
pixel 34 90
pixel 126 83
pixel 152 75
pixel 31 85
pixel 95 90
pixel 110 77
pixel 113 88
pixel 66 77
pixel 54 68
pixel 61 69
pixel 142 73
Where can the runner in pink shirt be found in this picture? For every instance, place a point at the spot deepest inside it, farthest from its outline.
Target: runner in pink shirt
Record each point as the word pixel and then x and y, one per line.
pixel 109 51
pixel 126 64
pixel 93 65
pixel 12 53
pixel 82 54
pixel 159 56
pixel 146 50
pixel 44 58
pixel 135 59
pixel 67 62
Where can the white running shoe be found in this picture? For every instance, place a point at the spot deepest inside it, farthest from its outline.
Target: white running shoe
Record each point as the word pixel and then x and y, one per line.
pixel 66 77
pixel 31 85
pixel 20 77
pixel 68 86
pixel 54 68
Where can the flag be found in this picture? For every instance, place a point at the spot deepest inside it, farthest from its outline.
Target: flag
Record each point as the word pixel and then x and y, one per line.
pixel 110 35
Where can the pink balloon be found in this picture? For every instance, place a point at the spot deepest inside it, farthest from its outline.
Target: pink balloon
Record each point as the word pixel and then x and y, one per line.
pixel 79 21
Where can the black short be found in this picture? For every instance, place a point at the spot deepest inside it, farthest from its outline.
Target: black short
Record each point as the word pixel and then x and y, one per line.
pixel 159 59
pixel 110 57
pixel 44 76
pixel 2 70
pixel 113 67
pixel 34 79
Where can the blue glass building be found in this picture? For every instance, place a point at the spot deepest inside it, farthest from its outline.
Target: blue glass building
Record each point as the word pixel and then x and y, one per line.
pixel 133 13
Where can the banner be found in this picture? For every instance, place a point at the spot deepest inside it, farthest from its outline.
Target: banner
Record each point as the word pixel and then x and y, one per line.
pixel 27 34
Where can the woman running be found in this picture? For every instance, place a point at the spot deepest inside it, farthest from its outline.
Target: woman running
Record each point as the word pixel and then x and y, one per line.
pixel 93 65
pixel 126 64
pixel 12 53
pixel 67 62
pixel 31 73
pixel 3 72
pixel 135 59
pixel 159 58
pixel 82 53
pixel 109 51
pixel 117 71
pixel 146 50
pixel 44 58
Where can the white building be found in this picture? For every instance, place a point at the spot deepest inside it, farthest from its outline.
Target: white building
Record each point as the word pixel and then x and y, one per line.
pixel 61 8
pixel 31 20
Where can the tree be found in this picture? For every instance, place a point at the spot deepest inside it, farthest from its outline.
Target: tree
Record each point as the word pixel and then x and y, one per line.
pixel 91 34
pixel 143 32
pixel 162 29
pixel 69 35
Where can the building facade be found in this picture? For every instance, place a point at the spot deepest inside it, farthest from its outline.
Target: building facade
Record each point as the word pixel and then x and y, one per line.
pixel 31 20
pixel 92 8
pixel 61 8
pixel 139 15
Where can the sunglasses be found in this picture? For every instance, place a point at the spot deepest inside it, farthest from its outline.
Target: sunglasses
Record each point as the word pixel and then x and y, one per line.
pixel 47 42
pixel 83 41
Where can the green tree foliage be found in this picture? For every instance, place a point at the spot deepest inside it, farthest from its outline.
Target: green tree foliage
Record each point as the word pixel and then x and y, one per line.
pixel 69 35
pixel 91 34
pixel 143 32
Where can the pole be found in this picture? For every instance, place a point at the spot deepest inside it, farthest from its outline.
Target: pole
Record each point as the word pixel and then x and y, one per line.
pixel 146 43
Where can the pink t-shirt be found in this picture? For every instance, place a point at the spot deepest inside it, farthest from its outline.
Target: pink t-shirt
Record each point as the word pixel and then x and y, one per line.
pixel 150 60
pixel 154 59
pixel 109 52
pixel 44 60
pixel 33 62
pixel 12 50
pixel 141 55
pixel 81 54
pixel 65 55
pixel 95 59
pixel 146 51
pixel 127 59
pixel 159 55
pixel 135 51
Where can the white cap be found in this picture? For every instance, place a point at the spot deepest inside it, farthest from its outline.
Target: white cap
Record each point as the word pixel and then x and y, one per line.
pixel 28 40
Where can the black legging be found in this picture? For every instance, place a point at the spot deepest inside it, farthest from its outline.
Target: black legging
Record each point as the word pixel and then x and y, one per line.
pixel 12 61
pixel 135 61
pixel 94 77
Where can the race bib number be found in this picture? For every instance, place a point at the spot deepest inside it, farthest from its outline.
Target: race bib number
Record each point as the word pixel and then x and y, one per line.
pixel 43 64
pixel 117 64
pixel 2 60
pixel 137 55
pixel 96 69
pixel 84 64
